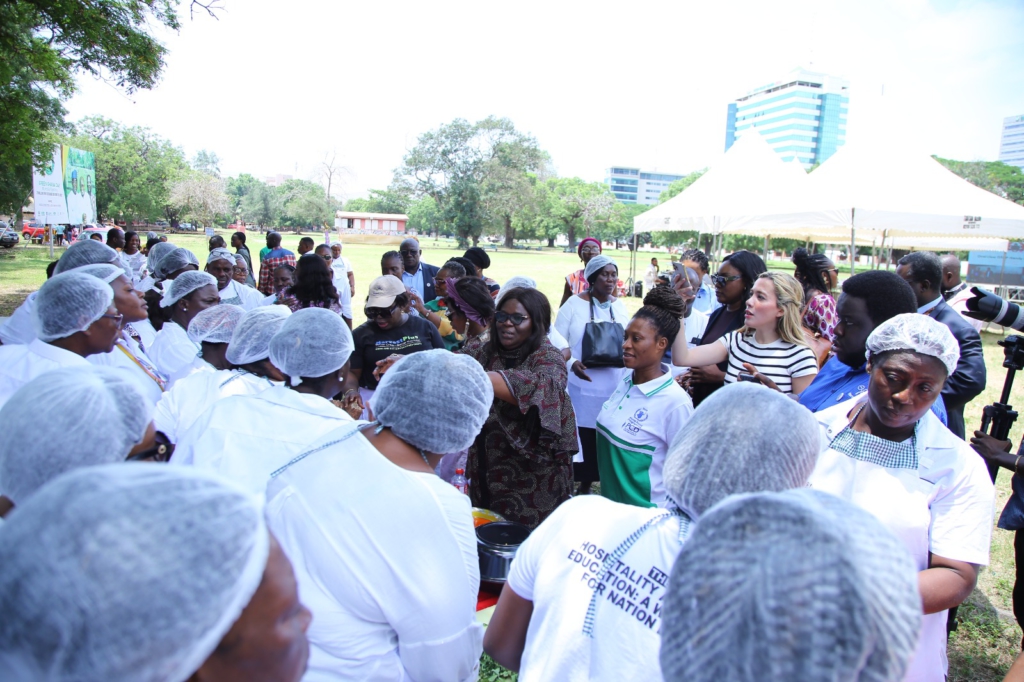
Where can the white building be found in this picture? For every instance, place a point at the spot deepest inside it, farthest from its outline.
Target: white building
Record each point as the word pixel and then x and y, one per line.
pixel 802 115
pixel 1011 145
pixel 633 186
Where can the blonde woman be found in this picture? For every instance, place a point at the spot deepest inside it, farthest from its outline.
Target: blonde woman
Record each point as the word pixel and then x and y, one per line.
pixel 769 348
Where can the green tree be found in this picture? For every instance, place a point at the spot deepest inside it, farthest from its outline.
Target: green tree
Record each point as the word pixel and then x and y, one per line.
pixel 261 205
pixel 461 166
pixel 394 201
pixel 43 44
pixel 206 162
pixel 997 177
pixel 573 205
pixel 199 196
pixel 679 185
pixel 305 204
pixel 425 217
pixel 238 188
pixel 619 227
pixel 134 168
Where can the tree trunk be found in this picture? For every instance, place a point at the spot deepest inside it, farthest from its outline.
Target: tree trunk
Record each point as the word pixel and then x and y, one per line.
pixel 571 233
pixel 551 242
pixel 476 239
pixel 510 233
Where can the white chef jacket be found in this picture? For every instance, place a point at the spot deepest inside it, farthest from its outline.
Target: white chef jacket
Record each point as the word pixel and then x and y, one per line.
pixel 135 263
pixel 386 560
pixel 22 363
pixel 128 355
pixel 341 284
pixel 19 328
pixel 198 364
pixel 245 438
pixel 241 295
pixel 172 349
pixel 945 507
pixel 191 397
pixel 588 396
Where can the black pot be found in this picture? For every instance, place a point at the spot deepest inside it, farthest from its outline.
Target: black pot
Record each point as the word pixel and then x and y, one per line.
pixel 496 545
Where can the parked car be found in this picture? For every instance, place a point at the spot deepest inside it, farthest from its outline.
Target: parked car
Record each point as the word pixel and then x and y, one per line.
pixel 186 227
pixel 33 231
pixel 162 224
pixel 89 230
pixel 8 237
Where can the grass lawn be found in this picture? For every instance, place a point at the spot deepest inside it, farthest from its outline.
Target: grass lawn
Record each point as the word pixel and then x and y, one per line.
pixel 987 640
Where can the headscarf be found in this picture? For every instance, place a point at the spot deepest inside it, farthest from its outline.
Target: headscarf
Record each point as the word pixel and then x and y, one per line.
pixel 597 263
pixel 460 303
pixel 579 247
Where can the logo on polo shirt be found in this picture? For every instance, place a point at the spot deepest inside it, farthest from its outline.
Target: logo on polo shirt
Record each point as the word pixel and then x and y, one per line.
pixel 635 424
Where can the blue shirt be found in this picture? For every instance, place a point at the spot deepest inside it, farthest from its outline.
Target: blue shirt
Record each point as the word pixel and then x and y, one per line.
pixel 414 281
pixel 837 382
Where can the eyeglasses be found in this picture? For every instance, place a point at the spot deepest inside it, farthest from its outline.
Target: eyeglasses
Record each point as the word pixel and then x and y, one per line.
pixel 501 317
pixel 451 311
pixel 590 249
pixel 722 280
pixel 118 318
pixel 374 313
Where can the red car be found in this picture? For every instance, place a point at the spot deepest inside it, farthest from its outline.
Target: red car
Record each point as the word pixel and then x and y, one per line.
pixel 33 232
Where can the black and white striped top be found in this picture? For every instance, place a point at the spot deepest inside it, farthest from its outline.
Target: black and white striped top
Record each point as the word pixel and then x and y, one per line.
pixel 779 360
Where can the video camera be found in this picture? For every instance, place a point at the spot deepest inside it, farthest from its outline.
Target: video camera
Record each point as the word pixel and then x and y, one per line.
pixel 988 307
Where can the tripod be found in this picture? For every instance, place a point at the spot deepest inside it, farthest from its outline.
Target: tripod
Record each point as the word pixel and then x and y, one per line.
pixel 998 418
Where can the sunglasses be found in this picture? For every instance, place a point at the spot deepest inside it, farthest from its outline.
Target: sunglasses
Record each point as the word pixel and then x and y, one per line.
pixel 409 253
pixel 722 280
pixel 327 257
pixel 502 317
pixel 374 313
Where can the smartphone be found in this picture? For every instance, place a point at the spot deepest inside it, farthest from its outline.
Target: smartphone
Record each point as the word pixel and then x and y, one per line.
pixel 742 376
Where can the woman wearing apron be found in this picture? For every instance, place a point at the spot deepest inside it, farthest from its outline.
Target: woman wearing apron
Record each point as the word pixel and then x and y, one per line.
pixel 890 455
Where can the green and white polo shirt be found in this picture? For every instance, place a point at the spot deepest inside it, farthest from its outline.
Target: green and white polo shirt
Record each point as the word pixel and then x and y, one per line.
pixel 634 428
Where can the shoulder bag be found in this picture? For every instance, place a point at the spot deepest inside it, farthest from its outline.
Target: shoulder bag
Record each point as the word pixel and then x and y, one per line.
pixel 602 341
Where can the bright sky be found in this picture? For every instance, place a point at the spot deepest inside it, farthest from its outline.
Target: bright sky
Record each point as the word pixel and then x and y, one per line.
pixel 273 87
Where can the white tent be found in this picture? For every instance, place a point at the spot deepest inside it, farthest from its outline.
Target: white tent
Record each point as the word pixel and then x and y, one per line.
pixel 749 188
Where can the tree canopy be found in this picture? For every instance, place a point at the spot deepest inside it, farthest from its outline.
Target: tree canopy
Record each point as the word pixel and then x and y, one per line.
pixel 43 44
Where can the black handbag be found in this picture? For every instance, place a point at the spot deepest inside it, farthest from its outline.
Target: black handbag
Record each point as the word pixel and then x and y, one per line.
pixel 602 342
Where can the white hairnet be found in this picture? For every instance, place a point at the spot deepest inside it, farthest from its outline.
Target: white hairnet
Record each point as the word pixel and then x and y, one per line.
pixel 407 397
pixel 108 272
pixel 220 253
pixel 216 324
pixel 175 260
pixel 152 236
pixel 69 303
pixel 94 415
pixel 517 282
pixel 735 442
pixel 798 585
pixel 156 254
pixel 184 284
pixel 251 340
pixel 916 332
pixel 598 262
pixel 139 579
pixel 85 252
pixel 312 342
pixel 240 261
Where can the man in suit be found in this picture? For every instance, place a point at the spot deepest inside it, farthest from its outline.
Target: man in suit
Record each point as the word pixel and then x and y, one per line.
pixel 922 270
pixel 418 276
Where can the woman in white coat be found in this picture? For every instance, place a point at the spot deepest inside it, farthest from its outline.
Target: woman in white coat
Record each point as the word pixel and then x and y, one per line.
pixel 889 454
pixel 246 437
pixel 187 295
pixel 589 387
pixel 250 372
pixel 385 551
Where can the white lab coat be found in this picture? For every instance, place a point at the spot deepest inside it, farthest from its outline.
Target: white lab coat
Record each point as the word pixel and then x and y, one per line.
pixel 344 290
pixel 246 438
pixel 128 355
pixel 19 327
pixel 945 507
pixel 191 397
pixel 22 363
pixel 385 559
pixel 172 349
pixel 241 295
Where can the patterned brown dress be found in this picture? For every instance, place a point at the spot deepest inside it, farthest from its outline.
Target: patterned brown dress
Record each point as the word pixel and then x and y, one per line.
pixel 520 465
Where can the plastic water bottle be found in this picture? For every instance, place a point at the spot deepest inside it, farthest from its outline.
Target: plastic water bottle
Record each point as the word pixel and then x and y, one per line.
pixel 459 481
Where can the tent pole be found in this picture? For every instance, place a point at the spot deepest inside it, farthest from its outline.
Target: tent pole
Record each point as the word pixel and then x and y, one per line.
pixel 632 267
pixel 853 242
pixel 767 238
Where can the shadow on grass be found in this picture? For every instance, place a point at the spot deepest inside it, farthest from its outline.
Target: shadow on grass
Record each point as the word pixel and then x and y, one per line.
pixel 984 644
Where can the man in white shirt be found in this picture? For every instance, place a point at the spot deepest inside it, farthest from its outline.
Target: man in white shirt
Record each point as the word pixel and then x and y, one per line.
pixel 74 317
pixel 221 264
pixel 342 262
pixel 418 276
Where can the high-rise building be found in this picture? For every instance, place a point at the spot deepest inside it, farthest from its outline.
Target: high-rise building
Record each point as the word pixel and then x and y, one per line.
pixel 1011 146
pixel 634 186
pixel 802 115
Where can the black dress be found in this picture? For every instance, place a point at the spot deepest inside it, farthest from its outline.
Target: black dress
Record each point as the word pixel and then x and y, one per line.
pixel 720 323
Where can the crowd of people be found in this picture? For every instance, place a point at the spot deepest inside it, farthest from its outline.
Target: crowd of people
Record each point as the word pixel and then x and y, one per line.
pixel 754 476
